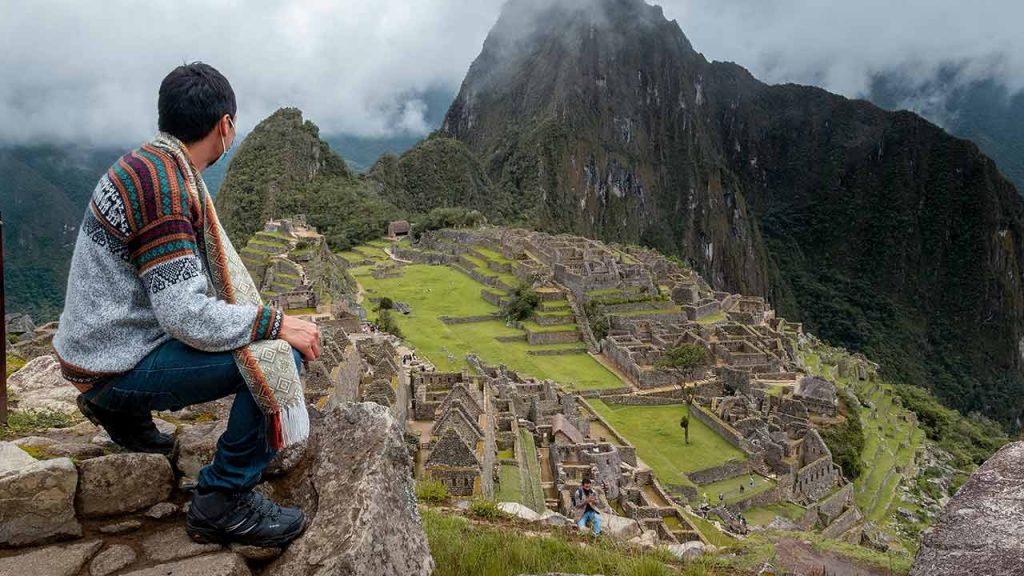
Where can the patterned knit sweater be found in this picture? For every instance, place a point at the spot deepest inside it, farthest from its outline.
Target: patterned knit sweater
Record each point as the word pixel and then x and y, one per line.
pixel 138 277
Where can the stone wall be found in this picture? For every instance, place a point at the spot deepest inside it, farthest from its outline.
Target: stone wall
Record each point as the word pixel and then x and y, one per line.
pixel 559 337
pixel 492 297
pixel 846 521
pixel 468 319
pixel 831 507
pixel 816 480
pixel 718 473
pixel 565 352
pixel 728 432
pixel 637 400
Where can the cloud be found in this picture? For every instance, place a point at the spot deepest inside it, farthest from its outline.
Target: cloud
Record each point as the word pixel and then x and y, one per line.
pixel 88 70
pixel 843 45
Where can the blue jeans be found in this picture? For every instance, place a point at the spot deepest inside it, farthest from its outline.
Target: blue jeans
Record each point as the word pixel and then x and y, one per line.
pixel 175 376
pixel 595 519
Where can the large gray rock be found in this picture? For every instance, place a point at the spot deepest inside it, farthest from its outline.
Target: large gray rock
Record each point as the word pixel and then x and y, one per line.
pixel 37 503
pixel 619 527
pixel 225 564
pixel 196 445
pixel 122 483
pixel 174 544
pixel 50 561
pixel 13 457
pixel 114 558
pixel 40 386
pixel 366 522
pixel 519 511
pixel 979 532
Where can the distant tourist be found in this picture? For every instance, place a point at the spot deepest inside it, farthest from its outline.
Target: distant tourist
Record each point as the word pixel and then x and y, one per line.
pixel 161 314
pixel 585 504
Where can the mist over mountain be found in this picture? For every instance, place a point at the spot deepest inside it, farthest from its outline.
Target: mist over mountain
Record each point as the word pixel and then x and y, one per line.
pixel 985 111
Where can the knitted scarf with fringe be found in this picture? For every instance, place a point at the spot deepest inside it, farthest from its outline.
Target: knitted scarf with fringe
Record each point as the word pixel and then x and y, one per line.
pixel 267 365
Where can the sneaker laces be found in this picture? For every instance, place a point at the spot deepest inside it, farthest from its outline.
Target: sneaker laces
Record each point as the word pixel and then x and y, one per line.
pixel 260 506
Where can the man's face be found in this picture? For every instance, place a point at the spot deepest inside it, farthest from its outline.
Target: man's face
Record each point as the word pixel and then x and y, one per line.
pixel 586 485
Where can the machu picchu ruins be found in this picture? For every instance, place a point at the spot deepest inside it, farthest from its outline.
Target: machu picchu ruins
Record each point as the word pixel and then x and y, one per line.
pixel 520 411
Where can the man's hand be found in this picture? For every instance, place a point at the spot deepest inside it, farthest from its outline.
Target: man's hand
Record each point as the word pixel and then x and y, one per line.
pixel 303 336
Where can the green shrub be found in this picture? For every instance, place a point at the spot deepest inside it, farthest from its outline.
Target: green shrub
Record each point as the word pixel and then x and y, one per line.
pixel 386 304
pixel 486 509
pixel 431 491
pixel 386 323
pixel 684 357
pixel 846 441
pixel 521 304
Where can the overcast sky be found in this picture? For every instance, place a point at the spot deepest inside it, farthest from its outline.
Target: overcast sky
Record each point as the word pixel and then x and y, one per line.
pixel 89 69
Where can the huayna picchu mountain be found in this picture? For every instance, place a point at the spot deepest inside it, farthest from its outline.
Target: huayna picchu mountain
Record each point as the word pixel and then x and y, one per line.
pixel 283 168
pixel 878 230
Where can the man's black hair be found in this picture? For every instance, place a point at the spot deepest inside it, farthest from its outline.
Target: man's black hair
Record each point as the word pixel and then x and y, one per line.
pixel 193 98
pixel 585 481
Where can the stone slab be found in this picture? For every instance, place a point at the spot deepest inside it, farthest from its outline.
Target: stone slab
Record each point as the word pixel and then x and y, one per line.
pixel 51 560
pixel 223 564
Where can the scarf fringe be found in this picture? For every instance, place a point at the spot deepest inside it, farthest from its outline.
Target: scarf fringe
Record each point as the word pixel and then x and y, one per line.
pixel 294 424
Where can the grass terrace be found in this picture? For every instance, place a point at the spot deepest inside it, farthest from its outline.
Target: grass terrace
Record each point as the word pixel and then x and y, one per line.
pixel 655 432
pixel 730 488
pixel 435 291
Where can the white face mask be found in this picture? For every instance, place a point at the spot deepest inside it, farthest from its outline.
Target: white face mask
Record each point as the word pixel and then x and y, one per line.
pixel 223 147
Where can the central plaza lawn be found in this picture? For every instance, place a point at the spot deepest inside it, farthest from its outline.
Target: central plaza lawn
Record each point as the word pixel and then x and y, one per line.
pixel 435 291
pixel 730 489
pixel 655 432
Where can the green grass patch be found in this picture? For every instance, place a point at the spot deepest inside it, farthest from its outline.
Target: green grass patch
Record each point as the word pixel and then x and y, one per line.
pixel 716 317
pixel 14 364
pixel 462 548
pixel 713 535
pixel 534 327
pixel 26 422
pixel 492 255
pixel 730 487
pixel 509 485
pixel 434 291
pixel 763 515
pixel 655 432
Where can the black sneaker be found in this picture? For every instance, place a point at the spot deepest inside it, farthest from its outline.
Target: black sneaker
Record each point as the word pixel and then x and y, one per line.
pixel 248 518
pixel 133 431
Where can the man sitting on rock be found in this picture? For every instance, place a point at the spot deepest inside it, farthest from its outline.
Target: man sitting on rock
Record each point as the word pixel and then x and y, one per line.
pixel 585 500
pixel 161 314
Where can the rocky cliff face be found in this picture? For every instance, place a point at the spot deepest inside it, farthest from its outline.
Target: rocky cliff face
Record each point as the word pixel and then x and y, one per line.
pixel 878 230
pixel 978 533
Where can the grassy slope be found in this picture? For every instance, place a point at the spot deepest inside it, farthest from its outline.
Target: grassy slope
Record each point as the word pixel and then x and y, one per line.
pixel 463 548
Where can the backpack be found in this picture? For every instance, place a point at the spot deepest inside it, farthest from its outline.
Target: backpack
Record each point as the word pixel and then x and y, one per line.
pixel 577 497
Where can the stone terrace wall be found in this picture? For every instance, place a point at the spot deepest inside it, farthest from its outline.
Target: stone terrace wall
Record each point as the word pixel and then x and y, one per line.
pixel 560 337
pixel 728 432
pixel 635 400
pixel 717 473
